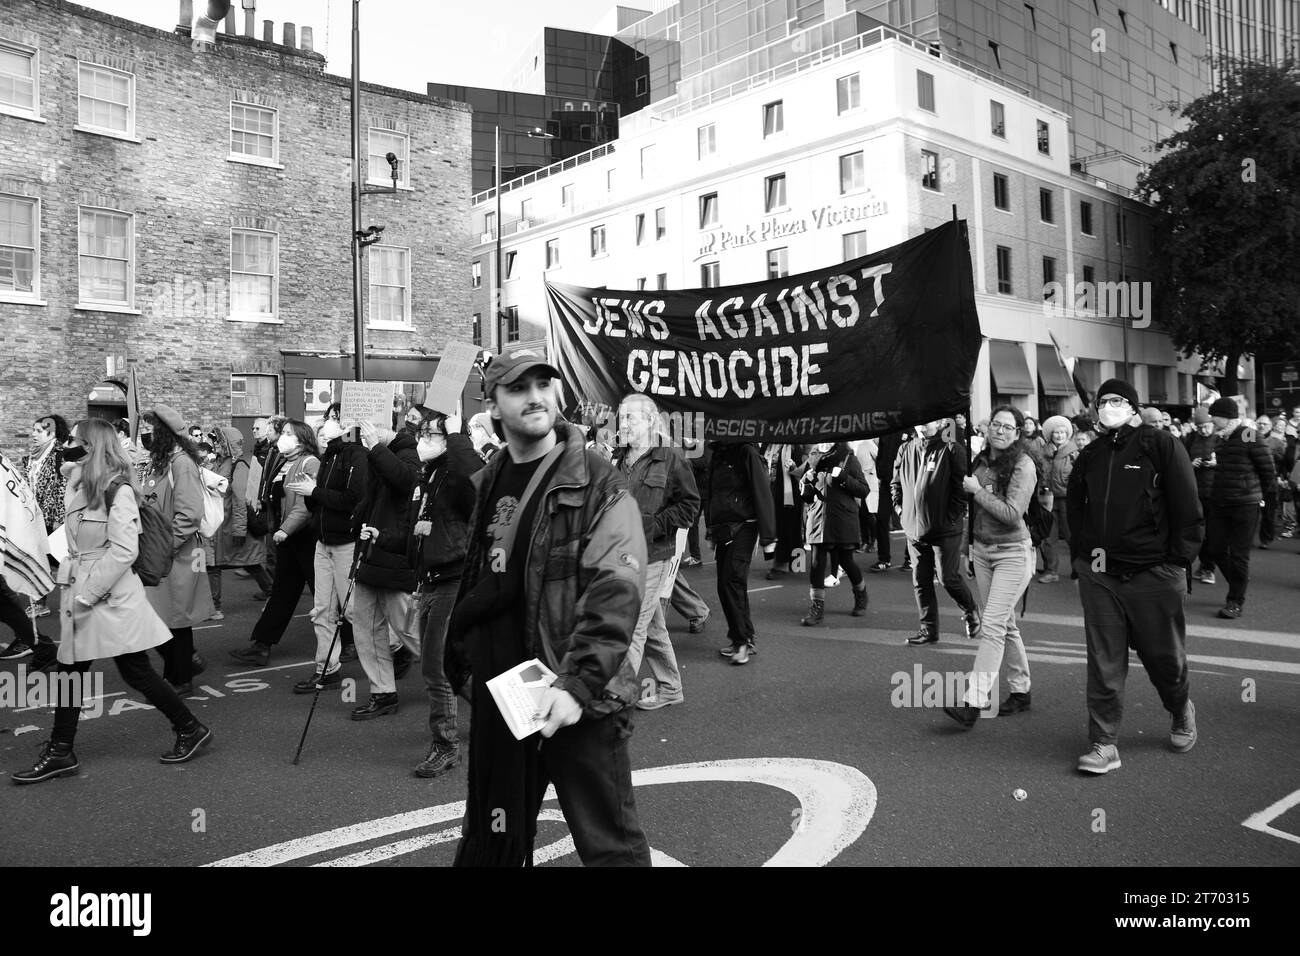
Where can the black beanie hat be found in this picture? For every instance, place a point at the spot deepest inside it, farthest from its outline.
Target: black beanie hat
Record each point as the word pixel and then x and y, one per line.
pixel 1116 386
pixel 1225 408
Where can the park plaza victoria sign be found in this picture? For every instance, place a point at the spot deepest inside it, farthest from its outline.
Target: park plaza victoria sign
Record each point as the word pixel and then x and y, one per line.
pixel 791 224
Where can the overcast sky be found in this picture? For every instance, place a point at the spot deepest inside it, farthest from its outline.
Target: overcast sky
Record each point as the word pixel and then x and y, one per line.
pixel 404 43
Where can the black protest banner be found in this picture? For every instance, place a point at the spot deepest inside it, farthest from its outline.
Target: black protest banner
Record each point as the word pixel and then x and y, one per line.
pixel 863 348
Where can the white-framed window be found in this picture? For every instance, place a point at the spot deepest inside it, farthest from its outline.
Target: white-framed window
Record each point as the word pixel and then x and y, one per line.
pixel 254 132
pixel 476 274
pixel 105 100
pixel 390 286
pixel 707 140
pixel 778 263
pixel 774 192
pixel 526 210
pixel 254 396
pixel 1044 138
pixel 773 118
pixel 510 265
pixel 661 223
pixel 20 230
pixel 597 241
pixel 105 257
pixel 566 196
pixel 1085 218
pixel 848 93
pixel 1046 209
pixel 708 210
pixel 383 142
pixel 929 170
pixel 476 329
pixel 997 119
pixel 609 180
pixel 855 245
pixel 710 275
pixel 640 228
pixel 552 253
pixel 1001 192
pixel 925 90
pixel 661 281
pixel 511 315
pixel 1004 269
pixel 254 274
pixel 852 172
pixel 647 161
pixel 640 284
pixel 20 88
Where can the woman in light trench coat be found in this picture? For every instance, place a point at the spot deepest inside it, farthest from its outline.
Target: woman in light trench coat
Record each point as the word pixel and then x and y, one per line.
pixel 173 486
pixel 104 610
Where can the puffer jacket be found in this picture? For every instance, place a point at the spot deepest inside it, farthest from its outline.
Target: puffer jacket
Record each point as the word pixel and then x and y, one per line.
pixel 665 492
pixel 393 482
pixel 1059 462
pixel 1203 447
pixel 446 501
pixel 583 579
pixel 340 489
pixel 1245 469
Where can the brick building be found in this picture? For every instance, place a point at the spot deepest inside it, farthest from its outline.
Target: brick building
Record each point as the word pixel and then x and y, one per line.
pixel 184 209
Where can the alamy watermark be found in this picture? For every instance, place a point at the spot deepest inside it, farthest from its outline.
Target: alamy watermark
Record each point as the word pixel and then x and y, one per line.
pixel 1112 300
pixel 25 689
pixel 922 688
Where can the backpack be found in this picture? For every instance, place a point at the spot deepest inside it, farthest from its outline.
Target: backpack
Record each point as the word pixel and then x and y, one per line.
pixel 214 502
pixel 1038 519
pixel 154 559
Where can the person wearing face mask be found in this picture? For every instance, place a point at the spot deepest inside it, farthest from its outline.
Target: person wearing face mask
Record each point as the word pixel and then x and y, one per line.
pixel 1202 447
pixel 1059 455
pixel 831 488
pixel 333 497
pixel 232 546
pixel 1135 527
pixel 440 513
pixel 1243 472
pixel 294 539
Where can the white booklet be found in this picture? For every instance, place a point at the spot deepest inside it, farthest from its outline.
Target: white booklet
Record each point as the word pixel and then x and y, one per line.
pixel 674 563
pixel 518 693
pixel 59 543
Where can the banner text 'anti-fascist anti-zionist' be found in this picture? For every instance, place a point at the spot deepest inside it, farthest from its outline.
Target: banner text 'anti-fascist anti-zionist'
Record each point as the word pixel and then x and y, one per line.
pixel 863 348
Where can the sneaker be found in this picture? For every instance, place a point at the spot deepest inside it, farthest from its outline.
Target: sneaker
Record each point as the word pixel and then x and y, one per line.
pixel 1047 577
pixel 881 566
pixel 741 656
pixel 660 701
pixel 1230 611
pixel 379 705
pixel 55 760
pixel 254 653
pixel 310 685
pixel 1205 577
pixel 1102 758
pixel 216 615
pixel 1182 735
pixel 187 744
pixel 833 581
pixel 696 624
pixel 973 624
pixel 691 562
pixel 438 762
pixel 21 647
pixel 905 566
pixel 730 650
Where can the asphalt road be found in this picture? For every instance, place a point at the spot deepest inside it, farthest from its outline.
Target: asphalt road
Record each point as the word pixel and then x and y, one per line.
pixel 799 757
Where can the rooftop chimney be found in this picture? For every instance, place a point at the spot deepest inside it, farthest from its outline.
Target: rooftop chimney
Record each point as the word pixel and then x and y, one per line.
pixel 268 31
pixel 249 21
pixel 290 35
pixel 307 40
pixel 232 28
pixel 186 20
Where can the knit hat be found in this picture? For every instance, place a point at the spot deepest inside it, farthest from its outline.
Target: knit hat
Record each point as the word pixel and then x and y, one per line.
pixel 1151 416
pixel 1116 386
pixel 1225 408
pixel 1200 415
pixel 168 416
pixel 1055 422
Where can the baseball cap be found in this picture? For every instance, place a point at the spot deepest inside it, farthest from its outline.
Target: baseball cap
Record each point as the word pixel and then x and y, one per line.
pixel 505 370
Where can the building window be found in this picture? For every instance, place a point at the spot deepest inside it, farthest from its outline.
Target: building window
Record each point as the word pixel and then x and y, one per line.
pixel 647 161
pixel 848 93
pixel 552 253
pixel 1122 233
pixel 1049 275
pixel 566 196
pixel 105 99
pixel 510 265
pixel 1045 211
pixel 476 274
pixel 925 90
pixel 778 263
pixel 584 132
pixel 708 210
pixel 640 228
pixel 640 284
pixel 855 245
pixel 525 212
pixel 105 257
pixel 609 181
pixel 710 275
pixel 511 315
pixel 253 273
pixel 19 89
pixel 19 254
pixel 1088 274
pixel 1044 140
pixel 1001 192
pixel 253 132
pixel 773 118
pixel 929 170
pixel 490 225
pixel 642 85
pixel 476 330
pixel 1033 17
pixel 1004 270
pixel 774 192
pixel 661 281
pixel 852 173
pixel 707 137
pixel 254 396
pixel 997 119
pixel 1123 20
pixel 997 56
pixel 383 142
pixel 597 241
pixel 661 223
pixel 1173 51
pixel 1085 218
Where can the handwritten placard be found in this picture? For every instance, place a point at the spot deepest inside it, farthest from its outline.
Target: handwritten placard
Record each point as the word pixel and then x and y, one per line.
pixel 368 402
pixel 449 378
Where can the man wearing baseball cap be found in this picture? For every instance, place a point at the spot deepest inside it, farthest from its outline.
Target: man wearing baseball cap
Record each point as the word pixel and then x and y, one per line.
pixel 554 570
pixel 1135 526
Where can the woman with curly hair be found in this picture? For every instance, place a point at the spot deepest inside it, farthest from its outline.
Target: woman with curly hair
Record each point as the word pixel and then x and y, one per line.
pixel 1005 479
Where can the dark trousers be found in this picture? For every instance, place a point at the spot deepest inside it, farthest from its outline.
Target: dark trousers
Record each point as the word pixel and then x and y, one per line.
pixel 734 558
pixel 1205 559
pixel 927 603
pixel 295 568
pixel 789 533
pixel 1231 532
pixel 140 676
pixel 436 602
pixel 588 763
pixel 1268 517
pixel 826 560
pixel 867 525
pixel 178 656
pixel 884 524
pixel 1144 612
pixel 13 613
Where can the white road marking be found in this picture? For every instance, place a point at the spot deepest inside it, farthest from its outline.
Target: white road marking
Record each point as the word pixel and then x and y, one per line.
pixel 116 693
pixel 772 587
pixel 1261 821
pixel 267 670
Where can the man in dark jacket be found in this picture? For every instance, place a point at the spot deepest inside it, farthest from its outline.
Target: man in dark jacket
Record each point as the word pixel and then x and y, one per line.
pixel 440 516
pixel 333 498
pixel 1135 526
pixel 385 579
pixel 1244 470
pixel 1202 448
pixel 555 571
pixel 927 496
pixel 741 513
pixel 888 447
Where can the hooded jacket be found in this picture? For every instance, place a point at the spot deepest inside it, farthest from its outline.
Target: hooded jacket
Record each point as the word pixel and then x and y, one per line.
pixel 393 480
pixel 446 501
pixel 926 490
pixel 340 488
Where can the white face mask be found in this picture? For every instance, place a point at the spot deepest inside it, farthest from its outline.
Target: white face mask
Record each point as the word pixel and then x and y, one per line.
pixel 430 448
pixel 330 431
pixel 288 444
pixel 1113 417
pixel 824 447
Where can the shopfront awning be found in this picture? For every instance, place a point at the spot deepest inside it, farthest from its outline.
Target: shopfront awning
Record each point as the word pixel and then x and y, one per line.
pixel 1010 371
pixel 1051 376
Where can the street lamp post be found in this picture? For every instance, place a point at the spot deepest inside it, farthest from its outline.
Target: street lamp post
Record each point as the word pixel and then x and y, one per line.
pixel 535 133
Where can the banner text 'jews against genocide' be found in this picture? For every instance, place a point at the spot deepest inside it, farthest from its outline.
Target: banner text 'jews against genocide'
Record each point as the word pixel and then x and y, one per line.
pixel 859 349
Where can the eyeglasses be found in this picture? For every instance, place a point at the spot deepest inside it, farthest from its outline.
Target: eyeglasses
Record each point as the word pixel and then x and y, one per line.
pixel 1001 427
pixel 1113 401
pixel 429 433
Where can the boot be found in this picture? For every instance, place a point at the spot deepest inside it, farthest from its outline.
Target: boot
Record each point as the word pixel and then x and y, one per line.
pixel 255 653
pixel 188 742
pixel 379 705
pixel 816 612
pixel 56 760
pixel 859 601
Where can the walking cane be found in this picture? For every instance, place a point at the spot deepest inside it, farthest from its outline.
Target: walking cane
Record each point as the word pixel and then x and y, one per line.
pixel 338 626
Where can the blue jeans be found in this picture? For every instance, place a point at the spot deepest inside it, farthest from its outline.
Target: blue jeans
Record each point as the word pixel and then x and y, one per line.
pixel 435 603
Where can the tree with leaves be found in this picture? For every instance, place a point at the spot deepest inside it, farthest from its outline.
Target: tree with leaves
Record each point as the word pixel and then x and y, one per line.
pixel 1225 195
